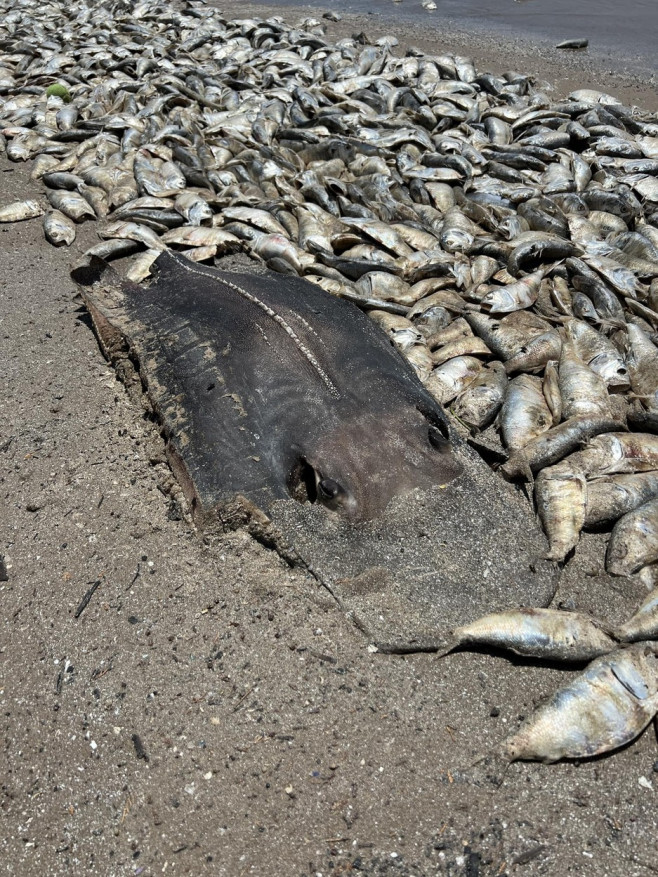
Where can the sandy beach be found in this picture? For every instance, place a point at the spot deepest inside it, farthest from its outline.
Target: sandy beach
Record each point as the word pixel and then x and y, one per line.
pixel 208 710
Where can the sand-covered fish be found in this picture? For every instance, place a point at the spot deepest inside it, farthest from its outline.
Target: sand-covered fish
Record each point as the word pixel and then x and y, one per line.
pixel 561 495
pixel 644 624
pixel 525 414
pixel 18 211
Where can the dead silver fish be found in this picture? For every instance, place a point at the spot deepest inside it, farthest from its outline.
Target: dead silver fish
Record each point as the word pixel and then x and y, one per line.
pixel 141 267
pixel 525 414
pixel 58 228
pixel 643 366
pixel 536 633
pixel 583 392
pixel 468 345
pixel 536 353
pixel 551 390
pixel 643 625
pixel 561 497
pixel 634 541
pixel 71 204
pixel 449 379
pixel 556 443
pixel 514 296
pixel 480 402
pixel 603 708
pixel 17 211
pixel 574 43
pixel 134 232
pixel 619 453
pixel 612 496
pixel 599 353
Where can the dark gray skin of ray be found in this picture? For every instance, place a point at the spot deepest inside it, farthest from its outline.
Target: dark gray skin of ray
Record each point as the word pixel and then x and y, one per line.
pixel 267 376
pixel 288 411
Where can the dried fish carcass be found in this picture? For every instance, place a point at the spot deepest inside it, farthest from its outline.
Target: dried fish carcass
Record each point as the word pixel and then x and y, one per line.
pixel 634 541
pixel 58 228
pixel 612 496
pixel 17 211
pixel 525 414
pixel 71 204
pixel 514 296
pixel 561 497
pixel 605 707
pixel 618 453
pixel 582 390
pixel 555 444
pixel 480 402
pixel 643 366
pixel 537 633
pixel 644 624
pixel 449 379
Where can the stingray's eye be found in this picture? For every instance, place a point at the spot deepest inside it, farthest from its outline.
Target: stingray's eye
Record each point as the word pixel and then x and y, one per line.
pixel 329 489
pixel 437 439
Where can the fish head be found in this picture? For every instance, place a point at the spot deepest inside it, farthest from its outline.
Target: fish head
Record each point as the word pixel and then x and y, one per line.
pixel 359 465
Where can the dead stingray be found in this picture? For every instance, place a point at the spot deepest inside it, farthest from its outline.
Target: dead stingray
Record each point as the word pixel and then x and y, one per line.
pixel 288 411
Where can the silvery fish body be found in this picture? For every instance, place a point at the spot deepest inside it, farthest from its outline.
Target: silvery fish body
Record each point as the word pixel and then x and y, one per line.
pixel 17 211
pixel 603 708
pixel 58 228
pixel 537 633
pixel 634 541
pixel 644 624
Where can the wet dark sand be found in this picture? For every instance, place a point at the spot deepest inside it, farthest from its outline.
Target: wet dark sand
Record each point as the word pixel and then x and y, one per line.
pixel 624 30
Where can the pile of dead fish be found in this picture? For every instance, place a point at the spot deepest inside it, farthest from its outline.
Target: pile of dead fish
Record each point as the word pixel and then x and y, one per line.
pixel 605 707
pixel 506 242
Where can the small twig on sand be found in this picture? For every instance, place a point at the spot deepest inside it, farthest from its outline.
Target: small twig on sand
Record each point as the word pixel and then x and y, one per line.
pixel 85 600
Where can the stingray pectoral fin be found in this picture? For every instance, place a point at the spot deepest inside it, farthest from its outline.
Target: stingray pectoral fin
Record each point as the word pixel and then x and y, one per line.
pixel 103 292
pixel 213 443
pixel 97 275
pixel 167 265
pixel 107 296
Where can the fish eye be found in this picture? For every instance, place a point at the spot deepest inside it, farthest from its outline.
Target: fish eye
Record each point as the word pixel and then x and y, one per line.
pixel 329 489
